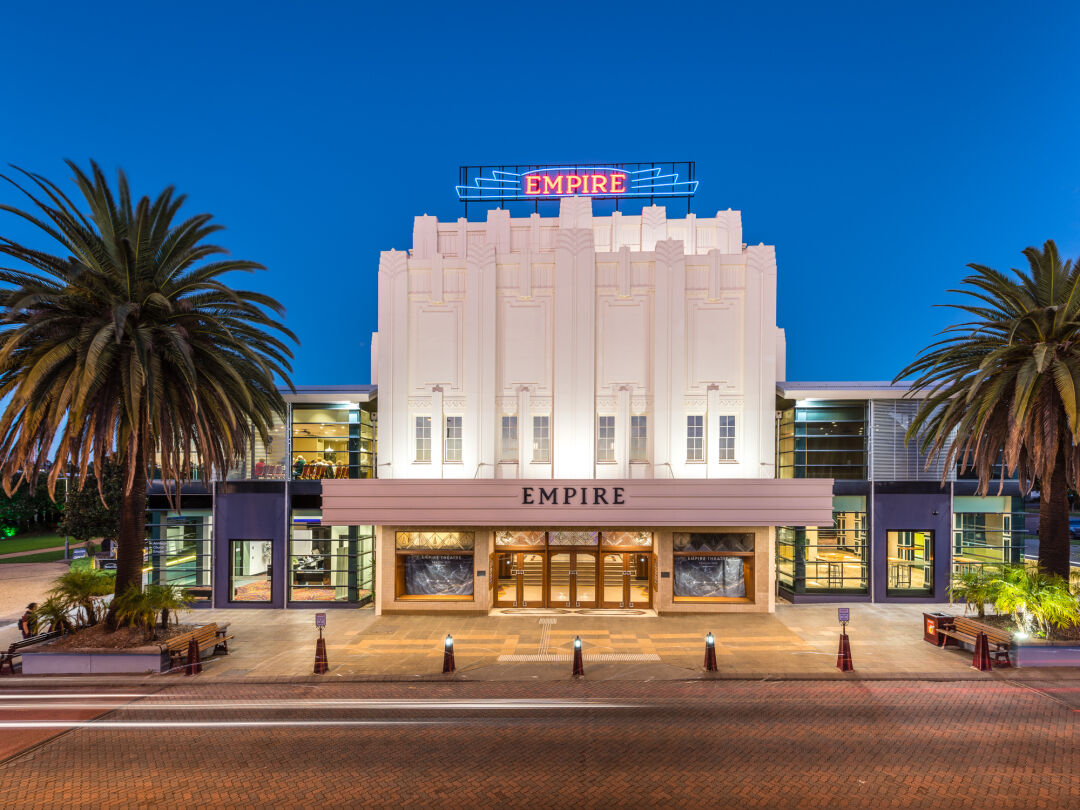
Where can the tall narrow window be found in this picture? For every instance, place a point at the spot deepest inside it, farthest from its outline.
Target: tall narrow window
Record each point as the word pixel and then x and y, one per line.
pixel 605 438
pixel 695 437
pixel 639 438
pixel 726 430
pixel 508 439
pixel 423 438
pixel 452 450
pixel 541 439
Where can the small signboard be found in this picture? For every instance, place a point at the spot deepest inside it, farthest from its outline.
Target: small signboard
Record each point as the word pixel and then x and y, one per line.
pixel 844 614
pixel 320 620
pixel 107 564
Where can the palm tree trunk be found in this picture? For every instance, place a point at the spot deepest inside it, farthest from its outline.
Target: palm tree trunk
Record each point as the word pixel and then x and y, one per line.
pixel 131 539
pixel 1054 524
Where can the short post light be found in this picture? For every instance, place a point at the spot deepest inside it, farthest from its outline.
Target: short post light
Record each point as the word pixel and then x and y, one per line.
pixel 448 655
pixel 710 652
pixel 579 666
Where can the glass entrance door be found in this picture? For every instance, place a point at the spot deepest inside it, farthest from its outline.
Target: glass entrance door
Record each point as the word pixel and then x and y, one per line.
pixel 560 592
pixel 626 580
pixel 911 563
pixel 519 579
pixel 506 594
pixel 584 579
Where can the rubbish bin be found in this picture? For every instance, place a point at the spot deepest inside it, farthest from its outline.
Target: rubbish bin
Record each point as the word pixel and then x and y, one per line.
pixel 933 623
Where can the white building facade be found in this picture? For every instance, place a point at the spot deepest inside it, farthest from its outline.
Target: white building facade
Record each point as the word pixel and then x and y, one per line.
pixel 577 411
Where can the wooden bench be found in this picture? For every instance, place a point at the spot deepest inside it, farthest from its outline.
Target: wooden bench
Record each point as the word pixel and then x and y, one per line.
pixel 7 659
pixel 965 630
pixel 208 637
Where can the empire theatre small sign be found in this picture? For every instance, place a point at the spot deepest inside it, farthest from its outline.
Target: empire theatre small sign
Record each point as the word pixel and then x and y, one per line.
pixel 576 496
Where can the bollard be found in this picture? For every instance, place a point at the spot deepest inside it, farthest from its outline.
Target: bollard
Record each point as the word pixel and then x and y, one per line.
pixel 843 657
pixel 194 660
pixel 579 665
pixel 710 653
pixel 448 655
pixel 981 659
pixel 322 663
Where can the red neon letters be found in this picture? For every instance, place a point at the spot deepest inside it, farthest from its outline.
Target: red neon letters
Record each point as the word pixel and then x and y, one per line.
pixel 546 184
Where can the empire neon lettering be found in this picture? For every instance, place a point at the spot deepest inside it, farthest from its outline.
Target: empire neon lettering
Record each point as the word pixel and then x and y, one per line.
pixel 547 184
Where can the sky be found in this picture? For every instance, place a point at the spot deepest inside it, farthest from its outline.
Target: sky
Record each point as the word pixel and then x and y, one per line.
pixel 879 146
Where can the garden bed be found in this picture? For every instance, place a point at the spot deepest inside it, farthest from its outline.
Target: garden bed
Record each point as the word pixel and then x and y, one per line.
pixel 93 650
pixel 1062 649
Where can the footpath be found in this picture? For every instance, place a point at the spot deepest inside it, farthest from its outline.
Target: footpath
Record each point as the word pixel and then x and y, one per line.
pixel 794 643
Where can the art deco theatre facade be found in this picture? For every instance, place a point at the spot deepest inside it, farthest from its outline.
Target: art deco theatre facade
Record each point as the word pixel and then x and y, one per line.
pixel 577 412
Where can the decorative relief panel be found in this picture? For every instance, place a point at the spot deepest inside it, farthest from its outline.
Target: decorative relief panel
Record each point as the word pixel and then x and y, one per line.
pixel 448 243
pixel 519 239
pixel 606 404
pixel 435 353
pixel 524 342
pixel 539 404
pixel 455 404
pixel 714 336
pixel 573 538
pixel 506 405
pixel 624 332
pixel 623 539
pixel 420 403
pixel 520 538
pixel 442 541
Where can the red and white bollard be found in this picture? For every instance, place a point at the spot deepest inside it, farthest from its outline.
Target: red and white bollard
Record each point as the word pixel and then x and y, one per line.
pixel 448 655
pixel 843 657
pixel 579 664
pixel 710 653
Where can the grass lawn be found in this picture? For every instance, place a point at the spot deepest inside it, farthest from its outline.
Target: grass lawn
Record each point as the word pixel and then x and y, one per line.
pixel 30 541
pixel 45 556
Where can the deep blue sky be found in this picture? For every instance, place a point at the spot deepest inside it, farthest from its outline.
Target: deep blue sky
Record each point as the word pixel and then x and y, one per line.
pixel 879 148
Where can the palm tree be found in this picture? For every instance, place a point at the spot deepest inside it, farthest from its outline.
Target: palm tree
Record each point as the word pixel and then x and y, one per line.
pixel 1002 388
pixel 128 346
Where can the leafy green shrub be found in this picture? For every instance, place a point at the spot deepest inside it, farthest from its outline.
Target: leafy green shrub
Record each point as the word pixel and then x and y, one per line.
pixel 976 587
pixel 134 609
pixel 1038 601
pixel 78 591
pixel 52 615
pixel 139 608
pixel 167 600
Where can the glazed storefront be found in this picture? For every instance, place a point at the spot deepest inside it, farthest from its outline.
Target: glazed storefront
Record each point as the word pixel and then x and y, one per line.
pixel 672 546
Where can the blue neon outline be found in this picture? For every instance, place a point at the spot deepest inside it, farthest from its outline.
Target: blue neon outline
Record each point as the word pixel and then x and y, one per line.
pixel 644 183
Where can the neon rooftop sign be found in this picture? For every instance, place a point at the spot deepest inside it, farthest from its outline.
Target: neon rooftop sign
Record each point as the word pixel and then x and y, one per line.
pixel 600 181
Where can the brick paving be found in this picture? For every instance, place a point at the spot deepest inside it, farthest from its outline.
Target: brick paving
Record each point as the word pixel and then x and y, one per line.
pixel 619 744
pixel 802 640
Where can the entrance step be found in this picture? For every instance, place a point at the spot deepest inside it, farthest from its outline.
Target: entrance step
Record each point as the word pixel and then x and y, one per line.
pixel 555 658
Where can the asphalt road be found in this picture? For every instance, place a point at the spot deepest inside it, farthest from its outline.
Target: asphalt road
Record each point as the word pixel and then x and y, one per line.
pixel 610 744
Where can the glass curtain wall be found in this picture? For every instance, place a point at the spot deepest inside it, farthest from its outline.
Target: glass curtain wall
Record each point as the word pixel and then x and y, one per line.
pixel 330 563
pixel 823 439
pixel 987 531
pixel 267 460
pixel 827 560
pixel 332 441
pixel 179 549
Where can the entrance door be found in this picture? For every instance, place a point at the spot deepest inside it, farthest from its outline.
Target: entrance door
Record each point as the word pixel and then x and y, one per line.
pixel 626 580
pixel 519 579
pixel 572 579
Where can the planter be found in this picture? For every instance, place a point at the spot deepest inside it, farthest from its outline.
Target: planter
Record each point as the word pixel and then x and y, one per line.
pixel 137 660
pixel 1037 652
